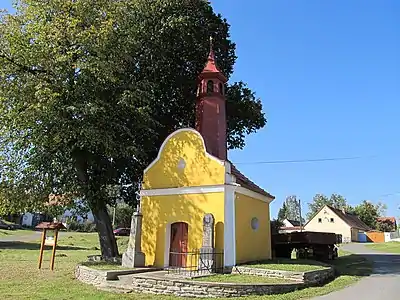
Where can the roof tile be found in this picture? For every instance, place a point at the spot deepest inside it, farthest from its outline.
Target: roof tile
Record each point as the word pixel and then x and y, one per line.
pixel 350 219
pixel 247 183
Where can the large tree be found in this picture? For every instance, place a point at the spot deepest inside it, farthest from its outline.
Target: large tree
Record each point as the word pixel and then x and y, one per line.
pixel 291 210
pixel 320 200
pixel 89 89
pixel 283 212
pixel 368 212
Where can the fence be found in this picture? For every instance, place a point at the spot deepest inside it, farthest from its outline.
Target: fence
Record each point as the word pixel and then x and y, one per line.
pixel 196 263
pixel 346 240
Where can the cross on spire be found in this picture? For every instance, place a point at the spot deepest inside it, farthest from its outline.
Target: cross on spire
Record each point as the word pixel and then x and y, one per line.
pixel 211 55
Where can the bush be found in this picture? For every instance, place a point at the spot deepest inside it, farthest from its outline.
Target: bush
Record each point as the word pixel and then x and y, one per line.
pixel 123 215
pixel 74 225
pixel 89 227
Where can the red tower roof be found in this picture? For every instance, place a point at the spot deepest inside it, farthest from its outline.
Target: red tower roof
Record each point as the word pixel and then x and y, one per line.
pixel 211 67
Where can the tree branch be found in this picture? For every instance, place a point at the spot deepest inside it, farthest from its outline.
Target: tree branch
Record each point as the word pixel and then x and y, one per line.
pixel 30 70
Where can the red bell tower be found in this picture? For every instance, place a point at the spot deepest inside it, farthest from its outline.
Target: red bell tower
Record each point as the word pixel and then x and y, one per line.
pixel 211 107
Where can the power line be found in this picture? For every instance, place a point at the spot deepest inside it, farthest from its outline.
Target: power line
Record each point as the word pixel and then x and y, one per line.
pixel 388 195
pixel 303 160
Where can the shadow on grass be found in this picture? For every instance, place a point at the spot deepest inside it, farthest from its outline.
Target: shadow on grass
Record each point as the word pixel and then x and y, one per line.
pixel 368 264
pixel 36 246
pixel 352 265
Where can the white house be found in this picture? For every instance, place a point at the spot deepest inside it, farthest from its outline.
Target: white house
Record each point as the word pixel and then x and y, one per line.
pixel 290 226
pixel 330 219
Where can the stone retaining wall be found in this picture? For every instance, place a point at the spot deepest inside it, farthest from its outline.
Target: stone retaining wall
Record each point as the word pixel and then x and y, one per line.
pixel 90 276
pixel 196 289
pixel 97 277
pixel 318 277
pixel 309 277
pixel 153 284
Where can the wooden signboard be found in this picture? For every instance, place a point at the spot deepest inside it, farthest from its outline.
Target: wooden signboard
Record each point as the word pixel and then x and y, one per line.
pixel 49 238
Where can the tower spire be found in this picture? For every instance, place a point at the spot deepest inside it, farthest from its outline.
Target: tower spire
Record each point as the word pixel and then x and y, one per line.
pixel 211 107
pixel 211 55
pixel 211 67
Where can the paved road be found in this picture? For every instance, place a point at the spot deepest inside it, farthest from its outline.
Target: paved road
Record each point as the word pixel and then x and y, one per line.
pixel 383 284
pixel 28 237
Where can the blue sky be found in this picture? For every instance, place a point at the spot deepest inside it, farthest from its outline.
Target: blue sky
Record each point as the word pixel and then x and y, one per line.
pixel 328 73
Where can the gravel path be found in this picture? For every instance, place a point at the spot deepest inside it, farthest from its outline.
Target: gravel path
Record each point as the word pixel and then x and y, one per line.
pixel 383 284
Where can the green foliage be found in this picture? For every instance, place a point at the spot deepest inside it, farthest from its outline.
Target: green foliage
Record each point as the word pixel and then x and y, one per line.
pixel 385 226
pixel 54 211
pixel 123 215
pixel 275 225
pixel 320 200
pixel 291 210
pixel 369 212
pixel 283 212
pixel 87 226
pixel 90 89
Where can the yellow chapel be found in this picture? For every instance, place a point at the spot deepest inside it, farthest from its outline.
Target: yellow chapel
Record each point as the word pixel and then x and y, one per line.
pixel 191 185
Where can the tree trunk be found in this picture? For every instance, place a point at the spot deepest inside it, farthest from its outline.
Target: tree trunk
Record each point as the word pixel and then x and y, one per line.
pixel 108 243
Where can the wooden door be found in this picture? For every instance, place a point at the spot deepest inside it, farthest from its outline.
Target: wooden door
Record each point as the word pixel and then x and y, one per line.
pixel 178 246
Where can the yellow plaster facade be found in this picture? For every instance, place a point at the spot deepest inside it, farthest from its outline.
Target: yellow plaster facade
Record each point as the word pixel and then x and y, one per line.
pixel 182 162
pixel 252 244
pixel 162 211
pixel 182 185
pixel 183 147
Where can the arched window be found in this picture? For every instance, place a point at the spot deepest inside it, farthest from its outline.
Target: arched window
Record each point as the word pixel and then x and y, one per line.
pixel 210 86
pixel 221 88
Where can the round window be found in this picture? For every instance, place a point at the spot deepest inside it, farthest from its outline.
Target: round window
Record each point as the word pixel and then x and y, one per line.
pixel 254 223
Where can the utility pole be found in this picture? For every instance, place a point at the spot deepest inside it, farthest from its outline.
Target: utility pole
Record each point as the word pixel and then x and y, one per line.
pixel 113 220
pixel 301 221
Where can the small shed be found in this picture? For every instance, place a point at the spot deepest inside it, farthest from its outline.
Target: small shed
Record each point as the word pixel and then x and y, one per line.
pixel 376 236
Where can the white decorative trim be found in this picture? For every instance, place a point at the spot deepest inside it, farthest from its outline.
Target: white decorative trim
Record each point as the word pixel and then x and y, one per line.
pixel 221 162
pixel 167 245
pixel 219 188
pixel 184 190
pixel 254 195
pixel 229 226
pixel 229 178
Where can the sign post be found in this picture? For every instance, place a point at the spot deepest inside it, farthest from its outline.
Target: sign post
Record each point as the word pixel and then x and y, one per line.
pixel 49 240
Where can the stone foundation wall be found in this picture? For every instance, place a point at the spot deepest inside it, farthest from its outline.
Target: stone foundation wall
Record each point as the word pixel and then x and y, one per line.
pixel 309 277
pixel 90 276
pixel 152 284
pixel 319 277
pixel 195 289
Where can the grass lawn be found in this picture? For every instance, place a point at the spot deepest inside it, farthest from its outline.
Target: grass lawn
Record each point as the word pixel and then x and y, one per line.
pixel 389 247
pixel 238 278
pixel 294 265
pixel 20 278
